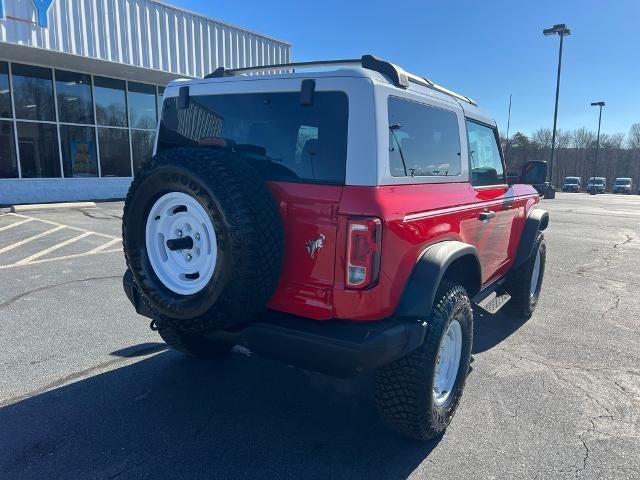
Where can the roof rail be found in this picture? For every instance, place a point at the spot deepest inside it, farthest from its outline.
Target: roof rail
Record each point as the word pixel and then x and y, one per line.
pixel 398 76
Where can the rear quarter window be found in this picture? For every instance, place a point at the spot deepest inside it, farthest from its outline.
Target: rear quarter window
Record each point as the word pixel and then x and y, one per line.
pixel 423 140
pixel 281 138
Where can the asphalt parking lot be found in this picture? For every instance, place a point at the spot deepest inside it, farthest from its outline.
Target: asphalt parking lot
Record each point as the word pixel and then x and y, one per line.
pixel 88 391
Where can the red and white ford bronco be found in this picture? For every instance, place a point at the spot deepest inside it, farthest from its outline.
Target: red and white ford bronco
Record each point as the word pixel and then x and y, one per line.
pixel 341 216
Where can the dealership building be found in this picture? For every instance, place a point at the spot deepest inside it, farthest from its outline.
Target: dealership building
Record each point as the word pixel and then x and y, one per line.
pixel 81 85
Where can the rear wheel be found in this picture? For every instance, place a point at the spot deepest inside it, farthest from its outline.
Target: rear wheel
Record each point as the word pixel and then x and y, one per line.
pixel 418 395
pixel 525 281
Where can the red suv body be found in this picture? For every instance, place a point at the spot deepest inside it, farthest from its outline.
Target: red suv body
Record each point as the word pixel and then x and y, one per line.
pixel 412 217
pixel 341 219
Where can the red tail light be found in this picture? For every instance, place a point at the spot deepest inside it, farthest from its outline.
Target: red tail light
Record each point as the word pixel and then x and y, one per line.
pixel 364 238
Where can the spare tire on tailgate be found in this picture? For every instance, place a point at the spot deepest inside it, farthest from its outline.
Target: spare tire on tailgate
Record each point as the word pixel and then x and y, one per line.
pixel 203 239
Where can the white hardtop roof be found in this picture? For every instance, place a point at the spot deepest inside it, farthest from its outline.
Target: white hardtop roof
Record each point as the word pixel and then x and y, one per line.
pixel 378 71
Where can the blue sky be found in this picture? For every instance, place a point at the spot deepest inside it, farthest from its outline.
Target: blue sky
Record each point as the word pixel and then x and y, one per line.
pixel 483 49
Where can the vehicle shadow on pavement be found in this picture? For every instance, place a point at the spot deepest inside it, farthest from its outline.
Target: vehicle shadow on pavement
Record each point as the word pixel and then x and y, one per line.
pixel 490 330
pixel 168 416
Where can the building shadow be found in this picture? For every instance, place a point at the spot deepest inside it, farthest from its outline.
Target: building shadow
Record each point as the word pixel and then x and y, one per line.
pixel 168 416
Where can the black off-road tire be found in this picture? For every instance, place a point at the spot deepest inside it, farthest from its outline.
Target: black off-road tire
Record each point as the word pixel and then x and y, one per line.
pixel 522 303
pixel 249 236
pixel 193 345
pixel 404 388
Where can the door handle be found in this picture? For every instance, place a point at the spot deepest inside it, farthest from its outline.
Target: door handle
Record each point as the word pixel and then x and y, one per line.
pixel 487 215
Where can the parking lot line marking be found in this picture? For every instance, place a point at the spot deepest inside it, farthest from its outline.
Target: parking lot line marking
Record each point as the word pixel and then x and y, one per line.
pixel 24 261
pixel 102 247
pixel 112 250
pixel 64 257
pixel 15 224
pixel 30 239
pixel 62 225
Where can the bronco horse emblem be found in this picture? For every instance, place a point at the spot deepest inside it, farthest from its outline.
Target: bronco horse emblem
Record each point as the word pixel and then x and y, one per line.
pixel 314 245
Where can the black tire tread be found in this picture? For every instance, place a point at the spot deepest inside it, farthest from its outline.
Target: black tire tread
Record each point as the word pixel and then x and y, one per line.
pixel 402 389
pixel 521 304
pixel 255 227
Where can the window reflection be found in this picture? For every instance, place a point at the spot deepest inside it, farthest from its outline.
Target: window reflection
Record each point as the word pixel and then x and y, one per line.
pixel 78 151
pixel 142 105
pixel 8 162
pixel 5 94
pixel 111 103
pixel 114 152
pixel 159 100
pixel 141 146
pixel 74 97
pixel 33 92
pixel 38 145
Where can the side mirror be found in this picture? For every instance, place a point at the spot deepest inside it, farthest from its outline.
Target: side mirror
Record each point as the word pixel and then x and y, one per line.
pixel 534 172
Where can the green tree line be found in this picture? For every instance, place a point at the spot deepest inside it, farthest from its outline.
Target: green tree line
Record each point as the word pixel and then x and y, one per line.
pixel 575 155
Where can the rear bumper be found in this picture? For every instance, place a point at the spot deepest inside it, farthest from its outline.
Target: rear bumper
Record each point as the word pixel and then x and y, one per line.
pixel 337 348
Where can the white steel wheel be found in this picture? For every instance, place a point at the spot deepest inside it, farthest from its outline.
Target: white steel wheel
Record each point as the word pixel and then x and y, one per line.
pixel 448 363
pixel 181 243
pixel 535 275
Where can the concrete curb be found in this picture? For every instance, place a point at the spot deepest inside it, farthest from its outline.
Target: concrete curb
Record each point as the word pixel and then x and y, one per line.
pixel 51 206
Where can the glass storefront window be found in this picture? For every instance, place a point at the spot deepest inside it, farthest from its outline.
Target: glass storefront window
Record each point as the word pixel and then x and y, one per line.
pixel 8 161
pixel 38 146
pixel 142 106
pixel 111 102
pixel 33 92
pixel 115 160
pixel 79 157
pixel 74 97
pixel 141 147
pixel 5 94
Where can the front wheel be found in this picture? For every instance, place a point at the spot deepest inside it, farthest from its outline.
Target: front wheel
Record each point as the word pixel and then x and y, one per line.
pixel 525 281
pixel 417 395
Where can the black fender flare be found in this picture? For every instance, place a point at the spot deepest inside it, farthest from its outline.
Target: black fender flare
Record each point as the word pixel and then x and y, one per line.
pixel 420 291
pixel 537 220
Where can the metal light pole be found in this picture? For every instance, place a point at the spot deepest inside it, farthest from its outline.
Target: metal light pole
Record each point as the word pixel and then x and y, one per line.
pixel 595 168
pixel 560 29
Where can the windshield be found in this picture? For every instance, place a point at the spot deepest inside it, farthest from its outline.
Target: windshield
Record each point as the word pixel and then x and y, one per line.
pixel 571 181
pixel 623 181
pixel 598 181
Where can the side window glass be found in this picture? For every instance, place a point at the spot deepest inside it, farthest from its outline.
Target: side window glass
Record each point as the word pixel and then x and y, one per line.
pixel 484 155
pixel 423 140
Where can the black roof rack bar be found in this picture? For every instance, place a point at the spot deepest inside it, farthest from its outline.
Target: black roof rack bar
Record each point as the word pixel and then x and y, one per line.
pixel 396 74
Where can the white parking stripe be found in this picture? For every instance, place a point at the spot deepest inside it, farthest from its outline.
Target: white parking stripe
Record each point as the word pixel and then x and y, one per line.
pixel 65 257
pixel 30 239
pixel 102 247
pixel 62 225
pixel 51 249
pixel 7 227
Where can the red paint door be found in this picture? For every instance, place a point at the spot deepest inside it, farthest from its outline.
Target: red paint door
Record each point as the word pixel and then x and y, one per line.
pixel 494 216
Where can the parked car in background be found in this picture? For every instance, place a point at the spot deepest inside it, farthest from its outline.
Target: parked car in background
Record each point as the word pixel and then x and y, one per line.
pixel 597 185
pixel 622 185
pixel 572 184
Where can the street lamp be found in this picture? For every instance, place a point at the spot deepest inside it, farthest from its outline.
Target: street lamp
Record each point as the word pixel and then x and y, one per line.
pixel 594 190
pixel 560 29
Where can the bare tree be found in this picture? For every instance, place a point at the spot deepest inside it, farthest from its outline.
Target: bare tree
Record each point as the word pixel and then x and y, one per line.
pixel 583 138
pixel 633 139
pixel 541 138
